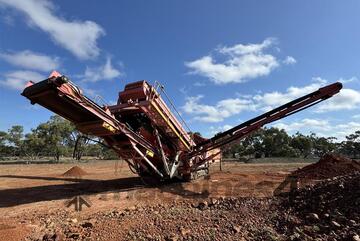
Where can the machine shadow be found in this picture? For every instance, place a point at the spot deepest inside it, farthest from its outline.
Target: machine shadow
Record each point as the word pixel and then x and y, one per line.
pixel 182 188
pixel 77 187
pixel 47 178
pixel 290 184
pixel 19 196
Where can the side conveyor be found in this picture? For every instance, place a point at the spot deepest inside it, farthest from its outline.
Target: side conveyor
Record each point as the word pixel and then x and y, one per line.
pixel 59 95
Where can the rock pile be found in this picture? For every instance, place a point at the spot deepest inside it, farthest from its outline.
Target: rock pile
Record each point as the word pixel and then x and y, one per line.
pixel 330 165
pixel 329 210
pixel 75 172
pixel 61 227
pixel 212 219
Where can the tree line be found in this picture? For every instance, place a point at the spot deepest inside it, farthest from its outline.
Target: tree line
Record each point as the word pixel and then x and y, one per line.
pixel 274 142
pixel 58 138
pixel 55 138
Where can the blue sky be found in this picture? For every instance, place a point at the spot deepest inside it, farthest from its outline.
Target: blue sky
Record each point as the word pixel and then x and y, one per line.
pixel 222 62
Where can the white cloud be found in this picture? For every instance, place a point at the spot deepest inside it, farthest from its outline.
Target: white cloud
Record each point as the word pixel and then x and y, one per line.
pixel 320 127
pixel 215 113
pixel 342 130
pixel 79 37
pixel 183 90
pixel 313 124
pixel 90 92
pixel 350 80
pixel 104 72
pixel 17 79
pixel 319 80
pixel 30 60
pixel 243 62
pixel 289 60
pixel 199 84
pixel 214 130
pixel 357 116
pixel 8 19
pixel 347 99
pixel 274 99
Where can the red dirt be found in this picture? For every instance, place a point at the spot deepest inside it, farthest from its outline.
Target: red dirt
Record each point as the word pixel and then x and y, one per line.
pixel 11 231
pixel 330 165
pixel 74 172
pixel 33 197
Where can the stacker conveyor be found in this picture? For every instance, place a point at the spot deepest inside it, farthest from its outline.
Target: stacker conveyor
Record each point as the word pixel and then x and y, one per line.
pixel 147 132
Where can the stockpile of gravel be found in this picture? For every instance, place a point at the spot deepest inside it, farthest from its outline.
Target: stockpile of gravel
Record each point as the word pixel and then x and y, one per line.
pixel 330 165
pixel 329 210
pixel 75 172
pixel 212 219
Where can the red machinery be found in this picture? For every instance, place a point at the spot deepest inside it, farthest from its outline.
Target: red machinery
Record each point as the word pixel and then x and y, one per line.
pixel 143 130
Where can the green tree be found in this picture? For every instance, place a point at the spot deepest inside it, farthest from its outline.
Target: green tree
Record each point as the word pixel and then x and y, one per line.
pixel 80 144
pixel 322 145
pixel 276 143
pixel 352 144
pixel 33 145
pixel 56 136
pixel 253 145
pixel 93 149
pixel 301 143
pixel 3 138
pixel 4 149
pixel 15 137
pixel 230 150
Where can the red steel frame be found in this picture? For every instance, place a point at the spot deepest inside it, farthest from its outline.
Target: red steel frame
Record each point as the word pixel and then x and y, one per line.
pixel 142 129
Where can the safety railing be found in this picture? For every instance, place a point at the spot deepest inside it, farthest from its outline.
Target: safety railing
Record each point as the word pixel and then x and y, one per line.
pixel 159 88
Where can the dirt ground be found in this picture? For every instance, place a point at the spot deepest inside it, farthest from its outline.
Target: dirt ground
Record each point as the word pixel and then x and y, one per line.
pixel 33 194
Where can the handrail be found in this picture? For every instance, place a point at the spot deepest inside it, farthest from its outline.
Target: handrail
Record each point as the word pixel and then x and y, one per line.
pixel 158 85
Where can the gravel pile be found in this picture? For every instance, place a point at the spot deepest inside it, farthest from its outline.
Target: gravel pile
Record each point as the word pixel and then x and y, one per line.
pixel 329 210
pixel 74 172
pixel 330 165
pixel 212 219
